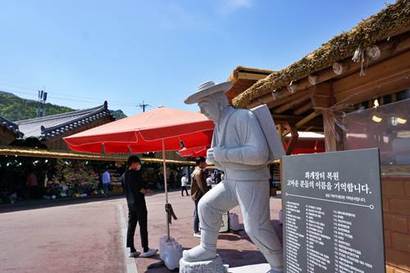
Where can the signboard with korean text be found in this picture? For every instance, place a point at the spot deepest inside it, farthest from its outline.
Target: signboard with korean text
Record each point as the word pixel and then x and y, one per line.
pixel 333 212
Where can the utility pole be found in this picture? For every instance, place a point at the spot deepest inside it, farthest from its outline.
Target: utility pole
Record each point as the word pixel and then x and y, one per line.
pixel 143 106
pixel 42 98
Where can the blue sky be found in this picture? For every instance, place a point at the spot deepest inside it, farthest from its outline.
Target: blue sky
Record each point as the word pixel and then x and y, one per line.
pixel 125 51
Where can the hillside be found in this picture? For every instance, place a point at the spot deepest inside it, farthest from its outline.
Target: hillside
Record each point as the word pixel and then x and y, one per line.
pixel 118 114
pixel 15 108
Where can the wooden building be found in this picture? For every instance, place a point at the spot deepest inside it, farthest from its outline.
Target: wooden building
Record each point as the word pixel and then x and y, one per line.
pixel 9 131
pixel 355 89
pixel 51 129
pixel 244 77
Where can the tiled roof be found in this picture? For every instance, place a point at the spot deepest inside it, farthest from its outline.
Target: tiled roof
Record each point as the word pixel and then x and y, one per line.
pixel 11 126
pixel 54 125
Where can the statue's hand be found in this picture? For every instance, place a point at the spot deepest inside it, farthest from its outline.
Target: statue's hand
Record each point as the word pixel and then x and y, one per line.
pixel 215 155
pixel 210 158
pixel 218 154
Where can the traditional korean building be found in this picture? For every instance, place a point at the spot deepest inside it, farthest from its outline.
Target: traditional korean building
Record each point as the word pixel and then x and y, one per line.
pixel 356 90
pixel 51 129
pixel 9 131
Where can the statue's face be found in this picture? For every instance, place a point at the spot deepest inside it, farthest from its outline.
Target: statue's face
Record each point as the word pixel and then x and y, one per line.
pixel 210 109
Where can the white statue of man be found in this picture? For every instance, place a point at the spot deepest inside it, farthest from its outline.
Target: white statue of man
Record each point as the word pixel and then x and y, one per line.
pixel 240 149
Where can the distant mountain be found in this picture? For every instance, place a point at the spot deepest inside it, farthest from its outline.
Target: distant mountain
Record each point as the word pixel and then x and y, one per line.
pixel 15 108
pixel 118 114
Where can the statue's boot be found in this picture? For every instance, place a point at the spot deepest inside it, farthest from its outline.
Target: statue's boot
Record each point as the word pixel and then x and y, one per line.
pixel 205 251
pixel 198 254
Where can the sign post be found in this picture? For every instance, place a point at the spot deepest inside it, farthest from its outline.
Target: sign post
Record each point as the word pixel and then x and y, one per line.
pixel 333 213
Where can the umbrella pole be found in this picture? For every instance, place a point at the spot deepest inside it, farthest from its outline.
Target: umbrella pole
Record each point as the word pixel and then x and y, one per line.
pixel 165 183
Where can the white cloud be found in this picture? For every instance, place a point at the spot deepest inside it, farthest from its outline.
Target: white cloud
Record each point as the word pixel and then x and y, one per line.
pixel 236 4
pixel 172 15
pixel 229 6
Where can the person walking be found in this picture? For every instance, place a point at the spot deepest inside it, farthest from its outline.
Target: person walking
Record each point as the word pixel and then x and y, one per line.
pixel 106 181
pixel 198 190
pixel 184 184
pixel 134 188
pixel 32 184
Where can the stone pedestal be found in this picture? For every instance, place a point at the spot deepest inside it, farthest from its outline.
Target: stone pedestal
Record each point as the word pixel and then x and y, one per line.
pixel 255 268
pixel 211 266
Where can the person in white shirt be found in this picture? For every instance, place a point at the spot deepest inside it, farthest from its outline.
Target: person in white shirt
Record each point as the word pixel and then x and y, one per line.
pixel 106 181
pixel 184 185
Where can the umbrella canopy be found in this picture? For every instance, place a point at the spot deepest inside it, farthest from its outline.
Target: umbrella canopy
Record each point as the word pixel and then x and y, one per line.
pixel 193 152
pixel 162 129
pixel 146 132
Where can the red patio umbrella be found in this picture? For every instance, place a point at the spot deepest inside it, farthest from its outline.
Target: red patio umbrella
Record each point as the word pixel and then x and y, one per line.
pixel 162 129
pixel 193 152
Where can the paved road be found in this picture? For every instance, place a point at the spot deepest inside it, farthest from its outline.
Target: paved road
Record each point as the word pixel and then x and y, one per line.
pixel 71 238
pixel 88 237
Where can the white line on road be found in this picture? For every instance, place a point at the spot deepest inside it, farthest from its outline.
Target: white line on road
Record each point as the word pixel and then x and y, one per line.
pixel 129 262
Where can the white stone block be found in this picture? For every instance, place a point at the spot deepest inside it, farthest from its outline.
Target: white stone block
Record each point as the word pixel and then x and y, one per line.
pixel 170 251
pixel 255 268
pixel 211 266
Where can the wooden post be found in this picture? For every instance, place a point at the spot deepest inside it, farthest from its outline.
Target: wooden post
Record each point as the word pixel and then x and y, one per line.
pixel 329 129
pixel 294 137
pixel 322 99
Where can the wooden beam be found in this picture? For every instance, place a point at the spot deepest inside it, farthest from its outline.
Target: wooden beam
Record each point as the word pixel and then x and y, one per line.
pixel 283 119
pixel 374 72
pixel 381 87
pixel 265 99
pixel 41 153
pixel 283 100
pixel 322 96
pixel 339 68
pixel 251 76
pixel 273 100
pixel 303 108
pixel 378 80
pixel 306 119
pixel 291 104
pixel 313 79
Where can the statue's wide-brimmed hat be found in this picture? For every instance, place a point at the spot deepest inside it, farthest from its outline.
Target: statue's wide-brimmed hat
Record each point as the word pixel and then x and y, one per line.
pixel 207 89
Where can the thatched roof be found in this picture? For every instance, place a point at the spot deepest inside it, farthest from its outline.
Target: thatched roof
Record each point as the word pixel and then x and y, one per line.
pixel 244 77
pixel 391 21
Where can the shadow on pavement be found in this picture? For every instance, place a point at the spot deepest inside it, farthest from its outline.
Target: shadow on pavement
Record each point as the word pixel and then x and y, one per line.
pixel 232 257
pixel 44 203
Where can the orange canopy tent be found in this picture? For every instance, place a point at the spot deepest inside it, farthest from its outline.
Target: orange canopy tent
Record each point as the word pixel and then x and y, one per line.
pixel 162 129
pixel 193 152
pixel 151 131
